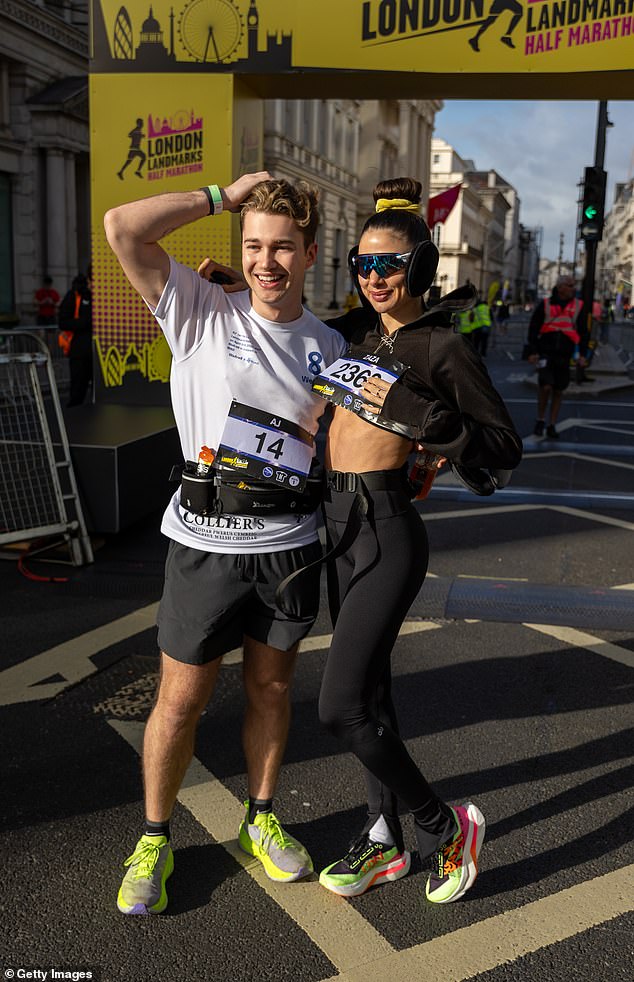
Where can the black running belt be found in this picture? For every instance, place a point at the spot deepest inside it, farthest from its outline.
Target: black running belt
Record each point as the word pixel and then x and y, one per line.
pixel 352 483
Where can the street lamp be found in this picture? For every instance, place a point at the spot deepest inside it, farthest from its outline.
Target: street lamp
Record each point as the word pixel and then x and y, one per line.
pixel 333 305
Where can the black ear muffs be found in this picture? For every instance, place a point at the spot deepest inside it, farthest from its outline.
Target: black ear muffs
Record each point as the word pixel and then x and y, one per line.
pixel 421 268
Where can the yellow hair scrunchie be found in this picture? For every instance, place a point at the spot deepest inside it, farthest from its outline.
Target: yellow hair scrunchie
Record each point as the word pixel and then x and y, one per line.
pixel 399 204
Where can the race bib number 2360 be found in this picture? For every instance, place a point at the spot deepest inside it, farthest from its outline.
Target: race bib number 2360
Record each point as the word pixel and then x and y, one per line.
pixel 341 382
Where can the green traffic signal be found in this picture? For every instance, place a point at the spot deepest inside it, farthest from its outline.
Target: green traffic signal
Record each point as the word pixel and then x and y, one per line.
pixel 591 212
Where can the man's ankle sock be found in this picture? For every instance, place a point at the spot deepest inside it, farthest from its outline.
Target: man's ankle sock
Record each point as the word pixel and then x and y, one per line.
pixel 258 806
pixel 157 828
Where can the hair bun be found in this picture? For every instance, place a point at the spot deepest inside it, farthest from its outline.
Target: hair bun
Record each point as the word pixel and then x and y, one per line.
pixel 403 188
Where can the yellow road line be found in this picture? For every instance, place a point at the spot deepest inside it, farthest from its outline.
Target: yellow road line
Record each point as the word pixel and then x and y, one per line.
pixel 506 937
pixel 344 936
pixel 358 952
pixel 71 659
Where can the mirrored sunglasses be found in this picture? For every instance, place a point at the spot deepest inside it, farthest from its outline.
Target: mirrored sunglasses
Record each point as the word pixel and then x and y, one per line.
pixel 384 263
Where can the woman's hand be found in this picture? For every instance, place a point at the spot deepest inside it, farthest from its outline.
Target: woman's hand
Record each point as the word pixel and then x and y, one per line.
pixel 438 463
pixel 375 391
pixel 230 280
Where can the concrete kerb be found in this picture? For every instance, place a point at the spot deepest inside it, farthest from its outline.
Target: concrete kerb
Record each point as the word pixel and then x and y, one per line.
pixel 515 602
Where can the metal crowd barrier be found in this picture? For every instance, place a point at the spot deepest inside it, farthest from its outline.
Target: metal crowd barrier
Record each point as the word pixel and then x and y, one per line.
pixel 38 491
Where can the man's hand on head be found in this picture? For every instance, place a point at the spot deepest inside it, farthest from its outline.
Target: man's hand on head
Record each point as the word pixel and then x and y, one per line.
pixel 230 280
pixel 234 194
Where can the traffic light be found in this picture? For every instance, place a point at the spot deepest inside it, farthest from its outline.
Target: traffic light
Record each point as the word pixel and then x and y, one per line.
pixel 591 224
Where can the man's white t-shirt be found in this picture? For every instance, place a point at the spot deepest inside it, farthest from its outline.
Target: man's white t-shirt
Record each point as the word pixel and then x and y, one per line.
pixel 222 350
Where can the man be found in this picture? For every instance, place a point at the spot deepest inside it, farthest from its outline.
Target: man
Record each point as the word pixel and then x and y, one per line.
pixel 557 331
pixel 261 349
pixel 47 298
pixel 75 335
pixel 480 336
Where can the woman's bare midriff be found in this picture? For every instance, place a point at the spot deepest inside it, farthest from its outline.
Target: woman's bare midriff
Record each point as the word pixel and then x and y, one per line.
pixel 357 446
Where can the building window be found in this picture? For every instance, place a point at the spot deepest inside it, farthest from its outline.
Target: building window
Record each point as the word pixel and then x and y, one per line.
pixel 436 158
pixel 7 294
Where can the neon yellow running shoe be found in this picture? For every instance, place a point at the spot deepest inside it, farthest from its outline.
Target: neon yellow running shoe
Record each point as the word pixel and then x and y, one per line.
pixel 143 888
pixel 456 861
pixel 283 857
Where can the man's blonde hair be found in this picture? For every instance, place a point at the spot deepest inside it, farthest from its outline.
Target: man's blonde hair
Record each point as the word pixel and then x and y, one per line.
pixel 298 201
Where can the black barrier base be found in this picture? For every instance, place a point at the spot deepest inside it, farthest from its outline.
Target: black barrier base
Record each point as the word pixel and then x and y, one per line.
pixel 122 457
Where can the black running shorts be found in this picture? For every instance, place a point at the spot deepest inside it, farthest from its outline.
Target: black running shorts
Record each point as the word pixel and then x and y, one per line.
pixel 211 600
pixel 555 372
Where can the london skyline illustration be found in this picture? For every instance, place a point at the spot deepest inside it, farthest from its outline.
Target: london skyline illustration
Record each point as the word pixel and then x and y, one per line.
pixel 155 49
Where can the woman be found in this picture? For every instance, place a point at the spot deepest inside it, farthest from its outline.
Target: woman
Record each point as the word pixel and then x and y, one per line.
pixel 450 406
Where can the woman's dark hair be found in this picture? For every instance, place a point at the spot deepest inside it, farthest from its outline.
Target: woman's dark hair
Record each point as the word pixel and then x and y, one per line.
pixel 410 226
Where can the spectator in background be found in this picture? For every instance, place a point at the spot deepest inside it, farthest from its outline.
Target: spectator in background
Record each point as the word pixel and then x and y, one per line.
pixel 480 336
pixel 47 298
pixel 606 317
pixel 502 315
pixel 75 324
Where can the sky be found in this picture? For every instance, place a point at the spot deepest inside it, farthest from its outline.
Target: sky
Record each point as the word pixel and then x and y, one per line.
pixel 542 148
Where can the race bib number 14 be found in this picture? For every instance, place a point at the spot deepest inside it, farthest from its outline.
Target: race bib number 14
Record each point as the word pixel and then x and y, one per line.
pixel 266 448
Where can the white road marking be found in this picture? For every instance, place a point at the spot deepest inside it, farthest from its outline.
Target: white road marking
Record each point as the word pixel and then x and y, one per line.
pixel 72 659
pixel 594 516
pixel 585 457
pixel 344 936
pixel 579 639
pixel 319 642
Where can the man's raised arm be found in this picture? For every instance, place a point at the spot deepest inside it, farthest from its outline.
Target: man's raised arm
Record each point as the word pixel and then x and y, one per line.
pixel 134 230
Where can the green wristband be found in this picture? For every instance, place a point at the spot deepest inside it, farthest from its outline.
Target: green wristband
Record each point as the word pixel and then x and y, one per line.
pixel 214 197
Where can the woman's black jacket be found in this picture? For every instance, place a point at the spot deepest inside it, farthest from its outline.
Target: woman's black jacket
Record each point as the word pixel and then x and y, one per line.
pixel 445 395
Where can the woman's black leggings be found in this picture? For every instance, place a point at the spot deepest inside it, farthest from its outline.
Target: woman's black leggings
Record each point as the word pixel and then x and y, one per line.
pixel 371 588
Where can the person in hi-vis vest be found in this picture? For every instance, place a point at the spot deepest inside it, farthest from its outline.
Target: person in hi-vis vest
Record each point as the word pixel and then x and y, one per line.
pixel 556 334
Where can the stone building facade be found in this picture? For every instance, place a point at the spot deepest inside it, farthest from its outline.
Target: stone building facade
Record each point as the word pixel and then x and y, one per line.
pixel 317 140
pixel 44 141
pixel 344 147
pixel 615 254
pixel 483 240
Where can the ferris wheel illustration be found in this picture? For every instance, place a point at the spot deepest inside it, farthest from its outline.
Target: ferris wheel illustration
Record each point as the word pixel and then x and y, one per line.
pixel 211 30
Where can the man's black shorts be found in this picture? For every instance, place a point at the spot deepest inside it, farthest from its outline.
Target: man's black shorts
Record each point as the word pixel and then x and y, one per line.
pixel 555 372
pixel 211 600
